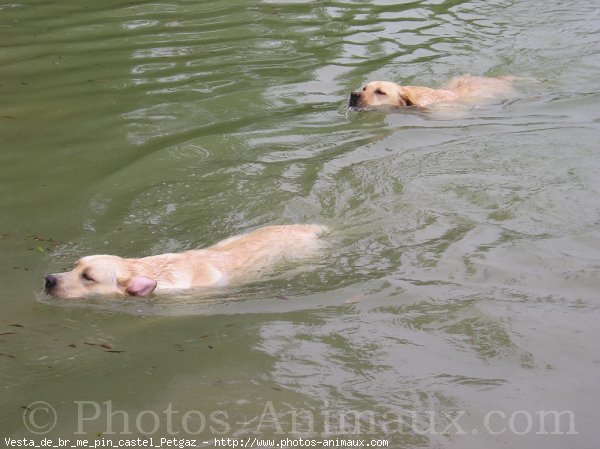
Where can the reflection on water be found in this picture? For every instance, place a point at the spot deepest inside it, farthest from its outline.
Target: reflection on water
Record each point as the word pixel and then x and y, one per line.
pixel 463 271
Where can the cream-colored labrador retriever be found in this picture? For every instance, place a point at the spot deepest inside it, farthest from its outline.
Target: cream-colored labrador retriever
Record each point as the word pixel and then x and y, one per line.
pixel 465 89
pixel 237 259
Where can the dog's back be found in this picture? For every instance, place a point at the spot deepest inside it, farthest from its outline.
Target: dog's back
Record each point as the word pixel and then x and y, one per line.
pixel 473 89
pixel 246 255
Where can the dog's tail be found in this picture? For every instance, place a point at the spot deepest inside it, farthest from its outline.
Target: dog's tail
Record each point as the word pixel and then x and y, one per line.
pixel 319 229
pixel 309 238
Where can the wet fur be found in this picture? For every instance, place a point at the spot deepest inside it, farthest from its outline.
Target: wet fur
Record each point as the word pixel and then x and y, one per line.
pixel 465 89
pixel 235 260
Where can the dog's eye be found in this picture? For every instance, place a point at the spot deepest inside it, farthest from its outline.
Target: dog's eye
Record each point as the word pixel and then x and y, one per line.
pixel 380 92
pixel 85 275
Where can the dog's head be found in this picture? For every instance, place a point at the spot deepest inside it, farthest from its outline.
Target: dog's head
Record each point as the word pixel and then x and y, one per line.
pixel 99 275
pixel 379 93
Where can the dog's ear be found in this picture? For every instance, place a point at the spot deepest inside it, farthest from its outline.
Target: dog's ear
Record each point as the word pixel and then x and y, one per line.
pixel 403 98
pixel 140 286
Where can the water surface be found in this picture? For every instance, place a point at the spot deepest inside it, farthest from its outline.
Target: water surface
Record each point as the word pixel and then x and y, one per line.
pixel 463 279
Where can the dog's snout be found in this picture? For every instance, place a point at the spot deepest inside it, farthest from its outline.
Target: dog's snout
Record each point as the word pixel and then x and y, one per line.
pixel 51 282
pixel 354 97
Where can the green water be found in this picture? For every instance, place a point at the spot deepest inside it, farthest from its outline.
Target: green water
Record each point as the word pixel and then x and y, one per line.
pixel 459 299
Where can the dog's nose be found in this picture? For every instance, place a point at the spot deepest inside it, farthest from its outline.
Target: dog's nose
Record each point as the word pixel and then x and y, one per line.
pixel 51 282
pixel 354 97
